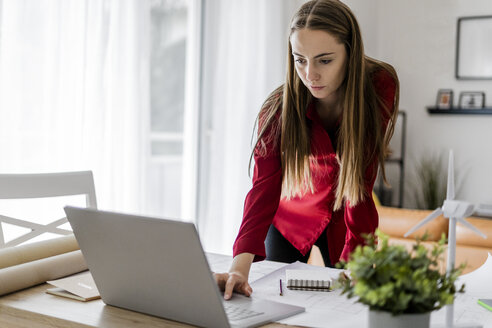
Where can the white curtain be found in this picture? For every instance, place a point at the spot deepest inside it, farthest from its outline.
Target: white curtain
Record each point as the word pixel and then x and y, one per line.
pixel 74 92
pixel 245 47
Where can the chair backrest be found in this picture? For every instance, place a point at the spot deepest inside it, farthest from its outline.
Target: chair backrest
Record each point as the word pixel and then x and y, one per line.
pixel 40 185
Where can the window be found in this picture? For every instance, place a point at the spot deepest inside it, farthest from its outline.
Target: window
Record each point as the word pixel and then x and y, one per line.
pixel 173 94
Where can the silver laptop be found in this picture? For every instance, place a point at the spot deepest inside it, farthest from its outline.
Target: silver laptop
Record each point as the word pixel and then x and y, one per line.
pixel 158 267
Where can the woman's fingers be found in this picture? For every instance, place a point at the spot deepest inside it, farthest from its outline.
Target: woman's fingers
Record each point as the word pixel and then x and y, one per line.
pixel 230 286
pixel 232 282
pixel 246 289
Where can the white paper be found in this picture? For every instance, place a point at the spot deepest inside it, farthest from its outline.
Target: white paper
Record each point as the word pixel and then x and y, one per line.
pixel 313 275
pixel 323 309
pixel 478 284
pixel 82 285
pixel 333 310
pixel 222 263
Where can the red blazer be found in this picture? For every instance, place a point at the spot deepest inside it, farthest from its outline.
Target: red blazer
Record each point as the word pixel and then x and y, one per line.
pixel 302 220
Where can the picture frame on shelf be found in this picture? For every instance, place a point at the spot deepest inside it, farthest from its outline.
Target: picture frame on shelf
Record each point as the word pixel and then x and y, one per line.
pixel 444 99
pixel 472 100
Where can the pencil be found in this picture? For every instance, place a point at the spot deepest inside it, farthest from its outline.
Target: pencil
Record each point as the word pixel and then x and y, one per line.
pixel 281 292
pixel 486 304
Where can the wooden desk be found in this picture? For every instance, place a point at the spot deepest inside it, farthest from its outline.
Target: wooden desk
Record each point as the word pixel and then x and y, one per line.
pixel 34 308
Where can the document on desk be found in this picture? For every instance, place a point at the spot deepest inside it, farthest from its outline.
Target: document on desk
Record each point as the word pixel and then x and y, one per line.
pixel 322 309
pixel 80 287
pixel 334 310
pixel 478 284
pixel 222 263
pixel 479 281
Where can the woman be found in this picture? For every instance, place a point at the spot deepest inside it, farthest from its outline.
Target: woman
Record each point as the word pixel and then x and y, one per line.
pixel 321 137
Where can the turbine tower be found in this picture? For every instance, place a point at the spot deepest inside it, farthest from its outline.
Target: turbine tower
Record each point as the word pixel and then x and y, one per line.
pixel 455 211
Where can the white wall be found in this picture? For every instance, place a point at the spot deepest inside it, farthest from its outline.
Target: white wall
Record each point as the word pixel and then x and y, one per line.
pixel 367 16
pixel 419 38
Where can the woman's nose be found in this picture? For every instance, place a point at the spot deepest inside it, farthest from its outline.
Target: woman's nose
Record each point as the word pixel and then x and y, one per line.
pixel 311 73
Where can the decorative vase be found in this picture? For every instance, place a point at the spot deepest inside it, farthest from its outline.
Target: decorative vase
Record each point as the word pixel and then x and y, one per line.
pixel 381 319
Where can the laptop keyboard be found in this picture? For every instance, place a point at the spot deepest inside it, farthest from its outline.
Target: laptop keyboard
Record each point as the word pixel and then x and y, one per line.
pixel 236 313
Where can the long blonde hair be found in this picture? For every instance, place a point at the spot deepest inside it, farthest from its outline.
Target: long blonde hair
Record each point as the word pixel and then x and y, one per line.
pixel 361 139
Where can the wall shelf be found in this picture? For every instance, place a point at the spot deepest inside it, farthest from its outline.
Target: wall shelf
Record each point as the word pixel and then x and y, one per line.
pixel 460 111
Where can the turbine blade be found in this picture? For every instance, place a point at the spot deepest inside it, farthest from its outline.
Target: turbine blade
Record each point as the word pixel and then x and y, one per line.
pixel 450 190
pixel 429 218
pixel 472 227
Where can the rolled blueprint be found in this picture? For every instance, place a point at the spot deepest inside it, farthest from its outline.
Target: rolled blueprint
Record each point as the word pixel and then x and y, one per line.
pixel 33 273
pixel 11 256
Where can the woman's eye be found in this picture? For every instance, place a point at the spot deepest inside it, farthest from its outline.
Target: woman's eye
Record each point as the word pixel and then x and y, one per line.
pixel 300 61
pixel 325 61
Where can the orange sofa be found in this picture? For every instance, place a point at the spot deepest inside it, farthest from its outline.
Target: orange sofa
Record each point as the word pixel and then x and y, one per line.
pixel 470 248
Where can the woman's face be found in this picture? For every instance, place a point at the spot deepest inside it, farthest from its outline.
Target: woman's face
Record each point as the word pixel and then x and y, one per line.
pixel 320 61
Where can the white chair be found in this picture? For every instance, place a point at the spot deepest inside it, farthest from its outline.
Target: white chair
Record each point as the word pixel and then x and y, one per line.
pixel 22 186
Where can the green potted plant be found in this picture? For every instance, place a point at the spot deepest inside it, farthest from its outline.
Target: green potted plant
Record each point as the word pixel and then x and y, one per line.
pixel 400 287
pixel 429 182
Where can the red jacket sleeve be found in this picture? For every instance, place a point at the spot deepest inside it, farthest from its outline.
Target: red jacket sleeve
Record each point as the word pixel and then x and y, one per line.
pixel 261 202
pixel 363 217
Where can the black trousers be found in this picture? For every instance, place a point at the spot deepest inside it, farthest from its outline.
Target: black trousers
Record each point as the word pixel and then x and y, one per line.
pixel 280 249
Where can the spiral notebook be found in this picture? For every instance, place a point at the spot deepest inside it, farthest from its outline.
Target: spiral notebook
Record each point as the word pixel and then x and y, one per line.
pixel 312 280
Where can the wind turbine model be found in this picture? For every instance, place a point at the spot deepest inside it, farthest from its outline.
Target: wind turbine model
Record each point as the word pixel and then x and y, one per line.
pixel 454 210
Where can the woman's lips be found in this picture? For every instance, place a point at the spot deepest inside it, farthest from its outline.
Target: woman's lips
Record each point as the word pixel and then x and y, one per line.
pixel 316 88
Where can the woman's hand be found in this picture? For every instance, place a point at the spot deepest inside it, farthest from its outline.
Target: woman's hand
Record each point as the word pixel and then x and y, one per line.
pixel 233 281
pixel 237 278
